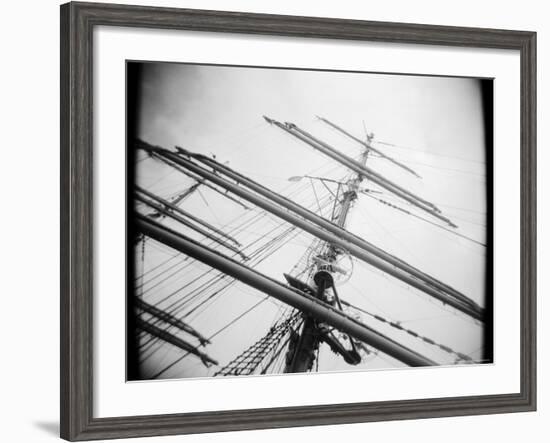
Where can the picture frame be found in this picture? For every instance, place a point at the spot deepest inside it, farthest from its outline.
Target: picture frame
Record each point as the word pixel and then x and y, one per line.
pixel 78 21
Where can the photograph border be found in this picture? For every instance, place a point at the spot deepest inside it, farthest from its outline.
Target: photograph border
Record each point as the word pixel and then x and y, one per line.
pixel 77 214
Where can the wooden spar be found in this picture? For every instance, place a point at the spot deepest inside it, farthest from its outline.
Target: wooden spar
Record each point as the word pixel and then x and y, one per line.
pixel 170 319
pixel 332 227
pixel 139 144
pixel 336 155
pixel 367 172
pixel 321 311
pixel 173 340
pixel 362 168
pixel 162 210
pixel 462 303
pixel 369 146
pixel 186 214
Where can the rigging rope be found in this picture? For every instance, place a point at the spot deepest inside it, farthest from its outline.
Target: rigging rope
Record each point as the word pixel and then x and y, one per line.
pixel 397 325
pixel 391 205
pixel 427 152
pixel 247 362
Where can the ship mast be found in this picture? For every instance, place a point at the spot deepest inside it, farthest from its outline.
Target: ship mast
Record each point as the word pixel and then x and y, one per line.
pixel 302 355
pixel 316 301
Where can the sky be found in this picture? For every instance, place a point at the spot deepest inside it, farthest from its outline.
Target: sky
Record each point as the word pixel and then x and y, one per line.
pixel 434 125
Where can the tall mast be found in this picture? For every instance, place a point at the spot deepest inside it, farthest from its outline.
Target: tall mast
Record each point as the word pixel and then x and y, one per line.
pixel 302 355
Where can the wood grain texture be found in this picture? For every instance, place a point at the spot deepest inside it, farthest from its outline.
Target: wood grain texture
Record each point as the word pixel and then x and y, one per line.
pixel 77 23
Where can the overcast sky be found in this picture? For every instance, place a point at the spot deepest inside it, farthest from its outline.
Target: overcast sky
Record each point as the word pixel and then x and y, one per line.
pixel 437 126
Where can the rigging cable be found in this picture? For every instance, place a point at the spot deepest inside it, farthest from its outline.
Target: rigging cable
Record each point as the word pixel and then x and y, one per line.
pixel 384 202
pixel 427 152
pixel 397 325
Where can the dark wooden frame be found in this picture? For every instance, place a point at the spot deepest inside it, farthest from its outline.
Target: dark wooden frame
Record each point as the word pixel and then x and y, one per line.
pixel 77 24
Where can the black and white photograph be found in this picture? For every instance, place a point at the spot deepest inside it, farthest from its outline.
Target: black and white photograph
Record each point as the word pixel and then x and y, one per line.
pixel 299 221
